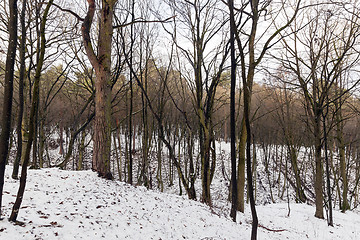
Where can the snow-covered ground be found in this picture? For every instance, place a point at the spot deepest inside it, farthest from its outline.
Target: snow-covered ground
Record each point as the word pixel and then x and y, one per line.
pixel 79 205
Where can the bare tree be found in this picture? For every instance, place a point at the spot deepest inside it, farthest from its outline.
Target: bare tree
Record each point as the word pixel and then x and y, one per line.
pixel 248 45
pixel 203 21
pixel 21 91
pixel 8 92
pixel 232 112
pixel 101 62
pixel 33 111
pixel 316 57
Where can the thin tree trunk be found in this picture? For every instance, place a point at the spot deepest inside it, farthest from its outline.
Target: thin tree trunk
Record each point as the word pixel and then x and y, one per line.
pixel 318 168
pixel 8 93
pixel 81 151
pixel 339 131
pixel 330 220
pixel 159 161
pixel 33 111
pixel 254 166
pixel 61 140
pixel 73 136
pixel 234 190
pixel 15 172
pixel 42 141
pixel 241 167
pixel 119 159
pixel 35 164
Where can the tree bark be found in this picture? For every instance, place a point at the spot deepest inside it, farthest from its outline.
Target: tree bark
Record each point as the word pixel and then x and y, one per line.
pixel 319 213
pixel 8 93
pixel 328 186
pixel 234 190
pixel 15 172
pixel 102 65
pixel 241 168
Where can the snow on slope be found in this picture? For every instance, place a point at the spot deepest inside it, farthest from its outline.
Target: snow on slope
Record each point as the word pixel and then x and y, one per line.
pixel 79 205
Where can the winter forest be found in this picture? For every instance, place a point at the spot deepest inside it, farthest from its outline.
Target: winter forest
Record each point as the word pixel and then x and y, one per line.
pixel 179 119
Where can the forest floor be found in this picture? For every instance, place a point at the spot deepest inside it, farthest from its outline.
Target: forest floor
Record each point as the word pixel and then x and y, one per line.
pixel 79 205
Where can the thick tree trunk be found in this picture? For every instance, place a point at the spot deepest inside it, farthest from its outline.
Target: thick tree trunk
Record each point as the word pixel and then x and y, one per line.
pixel 103 84
pixel 102 125
pixel 8 94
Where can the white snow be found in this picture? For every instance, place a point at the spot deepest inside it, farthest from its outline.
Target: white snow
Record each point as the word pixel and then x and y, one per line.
pixel 79 205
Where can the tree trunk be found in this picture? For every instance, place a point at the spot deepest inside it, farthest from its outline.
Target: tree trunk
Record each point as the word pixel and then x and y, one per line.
pixel 42 141
pixel 291 148
pixel 159 161
pixel 33 111
pixel 80 165
pixel 234 189
pixel 119 160
pixel 241 168
pixel 205 169
pixel 192 174
pixel 102 125
pixel 328 187
pixel 318 167
pixel 61 140
pixel 102 65
pixel 22 50
pixel 73 136
pixel 8 93
pixel 339 132
pixel 35 164
pixel 299 190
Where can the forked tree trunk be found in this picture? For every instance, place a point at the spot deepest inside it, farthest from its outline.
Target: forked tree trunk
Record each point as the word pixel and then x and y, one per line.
pixel 102 65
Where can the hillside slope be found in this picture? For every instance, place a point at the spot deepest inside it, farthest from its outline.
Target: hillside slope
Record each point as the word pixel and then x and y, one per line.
pixel 79 205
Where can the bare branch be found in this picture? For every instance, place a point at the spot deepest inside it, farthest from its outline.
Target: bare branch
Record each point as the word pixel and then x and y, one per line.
pixel 143 21
pixel 69 11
